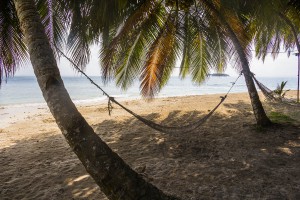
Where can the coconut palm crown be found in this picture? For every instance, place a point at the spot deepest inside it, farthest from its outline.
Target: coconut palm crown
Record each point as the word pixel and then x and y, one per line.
pixel 70 24
pixel 276 25
pixel 158 33
pixel 13 51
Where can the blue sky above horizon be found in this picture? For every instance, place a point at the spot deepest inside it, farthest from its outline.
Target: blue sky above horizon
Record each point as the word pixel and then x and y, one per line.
pixel 282 66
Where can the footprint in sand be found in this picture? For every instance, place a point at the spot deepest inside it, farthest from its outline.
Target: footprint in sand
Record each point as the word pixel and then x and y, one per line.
pixel 48 120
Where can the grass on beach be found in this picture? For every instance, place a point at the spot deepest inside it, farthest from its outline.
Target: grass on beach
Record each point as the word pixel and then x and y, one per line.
pixel 277 117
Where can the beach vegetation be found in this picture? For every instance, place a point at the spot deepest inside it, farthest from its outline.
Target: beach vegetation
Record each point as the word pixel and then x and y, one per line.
pixel 276 26
pixel 280 89
pixel 280 118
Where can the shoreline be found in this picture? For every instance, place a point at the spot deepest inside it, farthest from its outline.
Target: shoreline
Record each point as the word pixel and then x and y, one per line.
pixel 104 99
pixel 80 90
pixel 11 114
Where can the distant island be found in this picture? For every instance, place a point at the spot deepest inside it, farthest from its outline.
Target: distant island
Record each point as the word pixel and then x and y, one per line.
pixel 218 74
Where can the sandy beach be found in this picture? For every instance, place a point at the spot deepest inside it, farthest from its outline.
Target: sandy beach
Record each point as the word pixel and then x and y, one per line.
pixel 226 158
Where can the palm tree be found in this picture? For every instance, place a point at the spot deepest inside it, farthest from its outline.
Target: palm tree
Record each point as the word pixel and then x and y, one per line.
pixel 115 178
pixel 13 51
pixel 280 90
pixel 233 34
pixel 91 22
pixel 277 27
pixel 12 48
pixel 203 34
pixel 280 27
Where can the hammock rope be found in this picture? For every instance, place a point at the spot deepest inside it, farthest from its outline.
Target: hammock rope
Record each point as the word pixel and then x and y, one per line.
pixel 270 95
pixel 165 129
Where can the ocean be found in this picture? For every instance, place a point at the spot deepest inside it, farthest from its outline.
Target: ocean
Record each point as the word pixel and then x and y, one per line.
pixel 24 89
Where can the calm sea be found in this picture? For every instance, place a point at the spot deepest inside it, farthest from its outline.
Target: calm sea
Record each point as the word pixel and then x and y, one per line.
pixel 25 90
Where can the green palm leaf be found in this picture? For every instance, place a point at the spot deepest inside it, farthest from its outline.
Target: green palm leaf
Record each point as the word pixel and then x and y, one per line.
pixel 78 39
pixel 118 48
pixel 53 16
pixel 161 57
pixel 13 51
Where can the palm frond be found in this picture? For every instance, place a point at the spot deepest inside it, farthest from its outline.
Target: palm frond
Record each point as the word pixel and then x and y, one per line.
pixel 229 22
pixel 53 17
pixel 13 51
pixel 126 35
pixel 160 59
pixel 200 58
pixel 78 39
pixel 210 46
pixel 272 32
pixel 131 58
pixel 186 46
pixel 130 64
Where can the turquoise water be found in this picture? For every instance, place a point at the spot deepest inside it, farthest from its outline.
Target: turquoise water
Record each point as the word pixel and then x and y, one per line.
pixel 25 90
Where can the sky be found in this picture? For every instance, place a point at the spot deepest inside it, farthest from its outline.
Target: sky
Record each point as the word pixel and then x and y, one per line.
pixel 282 66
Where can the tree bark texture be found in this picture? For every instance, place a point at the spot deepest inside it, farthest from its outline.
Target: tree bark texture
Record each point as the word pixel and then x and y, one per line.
pixel 259 112
pixel 115 178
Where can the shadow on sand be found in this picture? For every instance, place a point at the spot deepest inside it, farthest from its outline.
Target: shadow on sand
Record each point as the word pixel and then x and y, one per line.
pixel 226 158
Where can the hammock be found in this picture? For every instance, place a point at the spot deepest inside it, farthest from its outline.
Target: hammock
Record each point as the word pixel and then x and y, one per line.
pixel 270 95
pixel 171 129
pixel 151 124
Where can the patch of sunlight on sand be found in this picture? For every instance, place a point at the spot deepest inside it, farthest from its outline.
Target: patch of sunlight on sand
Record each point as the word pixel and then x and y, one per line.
pixel 84 193
pixel 293 144
pixel 4 144
pixel 264 151
pixel 77 179
pixel 285 150
pixel 159 140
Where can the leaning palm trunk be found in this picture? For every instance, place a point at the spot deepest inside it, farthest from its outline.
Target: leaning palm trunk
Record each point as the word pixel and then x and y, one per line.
pixel 115 178
pixel 259 112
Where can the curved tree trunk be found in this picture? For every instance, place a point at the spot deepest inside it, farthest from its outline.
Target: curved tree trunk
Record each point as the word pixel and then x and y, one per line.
pixel 115 178
pixel 259 112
